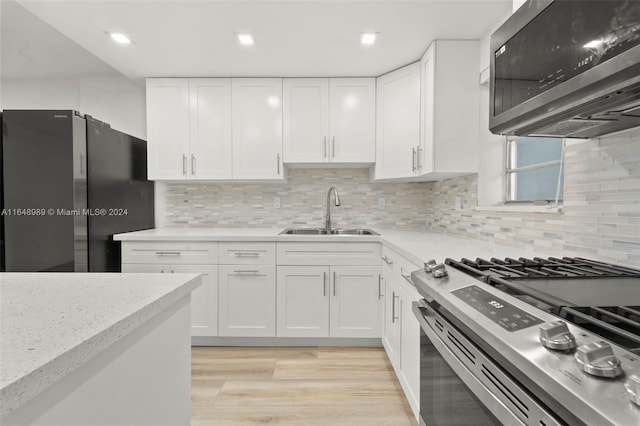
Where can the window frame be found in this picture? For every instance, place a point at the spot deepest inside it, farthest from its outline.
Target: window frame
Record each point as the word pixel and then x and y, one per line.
pixel 510 173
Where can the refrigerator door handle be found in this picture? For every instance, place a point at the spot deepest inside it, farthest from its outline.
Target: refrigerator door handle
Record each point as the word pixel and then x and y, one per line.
pixel 193 164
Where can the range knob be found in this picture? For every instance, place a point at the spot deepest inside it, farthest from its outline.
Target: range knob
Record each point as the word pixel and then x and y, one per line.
pixel 439 271
pixel 633 388
pixel 556 335
pixel 429 264
pixel 598 359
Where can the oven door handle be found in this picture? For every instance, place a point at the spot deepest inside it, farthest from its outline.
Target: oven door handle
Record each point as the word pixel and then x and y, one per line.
pixel 417 308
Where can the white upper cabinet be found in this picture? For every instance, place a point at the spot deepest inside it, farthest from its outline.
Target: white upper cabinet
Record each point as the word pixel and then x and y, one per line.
pixel 257 128
pixel 329 120
pixel 450 112
pixel 210 123
pixel 306 120
pixel 167 128
pixel 189 128
pixel 352 119
pixel 398 123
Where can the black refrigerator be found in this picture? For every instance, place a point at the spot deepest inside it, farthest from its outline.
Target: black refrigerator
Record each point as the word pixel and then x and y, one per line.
pixel 69 182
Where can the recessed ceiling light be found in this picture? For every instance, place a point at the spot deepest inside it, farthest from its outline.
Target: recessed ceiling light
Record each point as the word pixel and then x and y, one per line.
pixel 245 39
pixel 120 38
pixel 368 38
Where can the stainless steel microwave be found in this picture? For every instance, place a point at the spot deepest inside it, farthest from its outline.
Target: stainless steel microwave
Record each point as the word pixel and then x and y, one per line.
pixel 567 68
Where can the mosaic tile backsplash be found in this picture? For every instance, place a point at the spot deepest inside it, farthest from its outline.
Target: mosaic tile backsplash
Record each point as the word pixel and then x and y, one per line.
pixel 601 213
pixel 600 218
pixel 303 201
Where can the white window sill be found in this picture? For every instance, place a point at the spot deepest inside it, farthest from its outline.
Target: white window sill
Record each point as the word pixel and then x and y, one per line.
pixel 521 208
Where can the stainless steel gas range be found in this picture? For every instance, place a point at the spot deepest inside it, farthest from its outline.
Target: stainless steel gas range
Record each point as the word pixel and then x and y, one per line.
pixel 529 341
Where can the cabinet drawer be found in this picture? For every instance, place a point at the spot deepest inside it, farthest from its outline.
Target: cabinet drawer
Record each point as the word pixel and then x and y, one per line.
pixel 247 253
pixel 329 253
pixel 397 266
pixel 170 252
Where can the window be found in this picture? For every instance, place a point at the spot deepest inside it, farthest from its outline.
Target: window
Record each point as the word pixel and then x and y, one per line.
pixel 534 171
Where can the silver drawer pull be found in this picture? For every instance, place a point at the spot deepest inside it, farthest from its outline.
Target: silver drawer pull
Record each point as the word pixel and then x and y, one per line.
pixel 246 254
pixel 388 260
pixel 168 253
pixel 246 271
pixel 406 276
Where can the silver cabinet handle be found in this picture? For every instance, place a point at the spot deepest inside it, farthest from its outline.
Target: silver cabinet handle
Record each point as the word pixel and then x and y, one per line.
pixel 184 164
pixel 333 144
pixel 334 283
pixel 278 163
pixel 324 284
pixel 393 308
pixel 246 271
pixel 418 156
pixel 168 253
pixel 379 286
pixel 324 147
pixel 406 276
pixel 193 164
pixel 413 159
pixel 246 254
pixel 388 260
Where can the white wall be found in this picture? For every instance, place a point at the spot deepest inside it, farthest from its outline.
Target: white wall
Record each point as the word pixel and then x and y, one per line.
pixel 112 98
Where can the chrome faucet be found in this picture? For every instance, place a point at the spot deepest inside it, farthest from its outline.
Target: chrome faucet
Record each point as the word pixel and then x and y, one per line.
pixel 337 197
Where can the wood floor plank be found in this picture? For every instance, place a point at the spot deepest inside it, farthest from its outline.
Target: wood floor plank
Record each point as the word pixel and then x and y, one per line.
pixel 351 352
pixel 228 352
pixel 233 369
pixel 333 368
pixel 379 415
pixel 309 392
pixel 205 391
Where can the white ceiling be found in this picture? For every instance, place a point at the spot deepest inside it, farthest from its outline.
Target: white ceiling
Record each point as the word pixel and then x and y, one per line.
pixel 197 38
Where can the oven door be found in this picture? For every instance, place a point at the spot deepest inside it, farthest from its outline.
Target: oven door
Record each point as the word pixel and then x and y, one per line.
pixel 452 393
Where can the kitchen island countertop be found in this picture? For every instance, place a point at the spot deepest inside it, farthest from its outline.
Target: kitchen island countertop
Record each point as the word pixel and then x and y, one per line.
pixel 52 323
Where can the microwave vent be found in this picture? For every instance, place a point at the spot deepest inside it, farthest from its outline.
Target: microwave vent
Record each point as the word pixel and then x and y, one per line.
pixel 569 127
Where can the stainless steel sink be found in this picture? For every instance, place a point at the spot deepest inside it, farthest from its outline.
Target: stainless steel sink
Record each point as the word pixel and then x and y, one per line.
pixel 322 231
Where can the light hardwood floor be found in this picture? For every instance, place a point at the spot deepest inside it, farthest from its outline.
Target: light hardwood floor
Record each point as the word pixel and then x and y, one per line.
pixel 233 386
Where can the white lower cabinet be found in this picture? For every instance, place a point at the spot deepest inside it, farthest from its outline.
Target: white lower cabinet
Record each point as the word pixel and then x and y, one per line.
pixel 401 336
pixel 204 299
pixel 324 301
pixel 247 300
pixel 391 335
pixel 356 303
pixel 303 301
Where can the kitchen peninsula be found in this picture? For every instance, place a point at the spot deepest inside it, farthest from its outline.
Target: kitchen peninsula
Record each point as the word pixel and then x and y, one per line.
pixel 98 349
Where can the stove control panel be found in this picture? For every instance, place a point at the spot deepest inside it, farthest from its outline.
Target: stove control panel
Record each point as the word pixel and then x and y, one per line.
pixel 556 335
pixel 597 359
pixel 497 310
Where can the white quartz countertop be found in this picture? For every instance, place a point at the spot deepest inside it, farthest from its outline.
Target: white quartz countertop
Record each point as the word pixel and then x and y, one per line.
pixel 52 323
pixel 416 246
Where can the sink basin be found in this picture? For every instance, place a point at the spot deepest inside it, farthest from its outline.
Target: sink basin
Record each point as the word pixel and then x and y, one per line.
pixel 322 231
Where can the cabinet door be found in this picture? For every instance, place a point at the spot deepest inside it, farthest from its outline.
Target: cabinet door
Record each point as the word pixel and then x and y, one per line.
pixel 352 120
pixel 210 123
pixel 247 300
pixel 306 120
pixel 257 128
pixel 356 304
pixel 204 299
pixel 391 338
pixel 427 116
pixel 303 301
pixel 409 352
pixel 398 123
pixel 167 128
